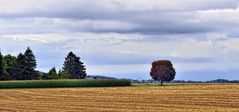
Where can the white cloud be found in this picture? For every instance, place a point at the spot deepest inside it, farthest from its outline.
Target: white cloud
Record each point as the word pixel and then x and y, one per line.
pixel 223 16
pixel 28 6
pixel 216 48
pixel 154 17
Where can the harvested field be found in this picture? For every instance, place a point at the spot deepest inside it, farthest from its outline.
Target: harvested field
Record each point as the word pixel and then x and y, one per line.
pixel 202 98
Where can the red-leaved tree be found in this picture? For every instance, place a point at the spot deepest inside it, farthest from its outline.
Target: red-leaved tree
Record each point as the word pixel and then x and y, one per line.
pixel 162 70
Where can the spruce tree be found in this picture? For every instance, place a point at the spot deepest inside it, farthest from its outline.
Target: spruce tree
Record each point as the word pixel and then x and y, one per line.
pixel 74 67
pixel 20 70
pixel 30 64
pixel 53 74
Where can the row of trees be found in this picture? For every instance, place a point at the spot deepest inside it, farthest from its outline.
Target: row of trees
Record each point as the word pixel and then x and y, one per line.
pixel 23 67
pixel 73 68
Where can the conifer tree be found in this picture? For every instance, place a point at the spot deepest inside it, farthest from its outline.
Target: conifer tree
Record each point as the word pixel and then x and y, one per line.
pixel 74 67
pixel 30 64
pixel 20 70
pixel 52 74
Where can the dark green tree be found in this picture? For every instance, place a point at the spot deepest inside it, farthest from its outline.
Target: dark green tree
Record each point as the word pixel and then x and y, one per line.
pixel 1 67
pixel 52 74
pixel 31 65
pixel 3 73
pixel 11 62
pixel 20 70
pixel 63 75
pixel 74 67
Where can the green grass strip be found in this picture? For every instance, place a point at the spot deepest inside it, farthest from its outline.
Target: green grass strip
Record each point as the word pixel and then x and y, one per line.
pixel 64 83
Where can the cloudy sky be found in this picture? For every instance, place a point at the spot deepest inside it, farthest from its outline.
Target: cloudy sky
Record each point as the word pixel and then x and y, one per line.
pixel 121 38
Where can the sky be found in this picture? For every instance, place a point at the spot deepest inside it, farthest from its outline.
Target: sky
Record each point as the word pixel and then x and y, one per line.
pixel 121 38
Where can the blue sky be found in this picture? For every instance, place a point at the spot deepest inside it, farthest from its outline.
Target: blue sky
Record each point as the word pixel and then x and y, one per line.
pixel 121 38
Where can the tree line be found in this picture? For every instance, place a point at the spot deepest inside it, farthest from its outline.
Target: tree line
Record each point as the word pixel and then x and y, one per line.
pixel 23 67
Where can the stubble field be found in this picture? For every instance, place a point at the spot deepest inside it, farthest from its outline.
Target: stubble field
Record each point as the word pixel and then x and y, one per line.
pixel 202 98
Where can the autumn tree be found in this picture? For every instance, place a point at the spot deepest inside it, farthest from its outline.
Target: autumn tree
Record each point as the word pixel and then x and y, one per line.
pixel 162 70
pixel 74 67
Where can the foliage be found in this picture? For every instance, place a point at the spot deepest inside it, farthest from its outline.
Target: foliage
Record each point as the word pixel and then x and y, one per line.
pixel 30 65
pixel 65 83
pixel 20 70
pixel 23 67
pixel 1 67
pixel 52 74
pixel 11 62
pixel 63 74
pixel 162 70
pixel 74 67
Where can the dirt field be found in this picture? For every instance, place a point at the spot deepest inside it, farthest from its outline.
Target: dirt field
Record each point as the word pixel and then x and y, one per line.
pixel 136 98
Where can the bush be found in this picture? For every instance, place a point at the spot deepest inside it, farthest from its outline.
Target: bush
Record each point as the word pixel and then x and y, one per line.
pixel 65 83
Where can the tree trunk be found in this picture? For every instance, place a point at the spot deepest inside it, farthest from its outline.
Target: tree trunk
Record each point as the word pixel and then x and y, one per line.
pixel 161 82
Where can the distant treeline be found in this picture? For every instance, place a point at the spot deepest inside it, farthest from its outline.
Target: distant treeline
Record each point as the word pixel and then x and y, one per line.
pixel 99 77
pixel 23 67
pixel 211 81
pixel 183 81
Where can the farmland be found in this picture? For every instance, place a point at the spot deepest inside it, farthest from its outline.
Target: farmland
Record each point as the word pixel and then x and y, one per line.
pixel 188 97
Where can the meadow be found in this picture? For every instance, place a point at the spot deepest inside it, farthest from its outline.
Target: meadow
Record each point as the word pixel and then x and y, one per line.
pixel 137 98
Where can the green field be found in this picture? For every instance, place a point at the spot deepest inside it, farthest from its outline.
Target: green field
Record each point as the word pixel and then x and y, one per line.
pixel 64 83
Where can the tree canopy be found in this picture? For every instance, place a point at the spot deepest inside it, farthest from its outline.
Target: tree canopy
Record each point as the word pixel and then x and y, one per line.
pixel 23 67
pixel 1 67
pixel 31 64
pixel 74 67
pixel 162 70
pixel 52 74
